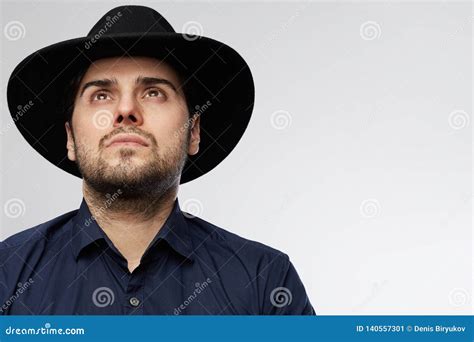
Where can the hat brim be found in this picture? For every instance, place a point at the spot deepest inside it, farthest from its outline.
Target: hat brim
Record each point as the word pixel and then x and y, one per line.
pixel 220 73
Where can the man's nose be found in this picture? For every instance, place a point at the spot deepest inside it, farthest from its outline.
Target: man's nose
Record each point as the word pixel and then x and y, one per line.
pixel 128 113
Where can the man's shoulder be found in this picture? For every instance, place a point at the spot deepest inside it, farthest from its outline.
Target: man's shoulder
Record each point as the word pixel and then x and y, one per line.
pixel 46 231
pixel 223 239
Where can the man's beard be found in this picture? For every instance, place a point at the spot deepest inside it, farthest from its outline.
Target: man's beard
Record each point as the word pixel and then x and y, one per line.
pixel 140 186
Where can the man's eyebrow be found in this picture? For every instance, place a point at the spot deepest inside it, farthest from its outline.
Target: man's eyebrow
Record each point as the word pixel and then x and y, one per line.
pixel 105 83
pixel 147 81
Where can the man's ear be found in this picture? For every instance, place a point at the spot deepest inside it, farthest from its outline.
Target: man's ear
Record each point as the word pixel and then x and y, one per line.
pixel 71 154
pixel 195 135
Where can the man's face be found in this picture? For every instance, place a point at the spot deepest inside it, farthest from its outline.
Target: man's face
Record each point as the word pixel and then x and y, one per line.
pixel 130 126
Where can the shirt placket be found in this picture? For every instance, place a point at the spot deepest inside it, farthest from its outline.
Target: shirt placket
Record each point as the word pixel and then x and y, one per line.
pixel 134 294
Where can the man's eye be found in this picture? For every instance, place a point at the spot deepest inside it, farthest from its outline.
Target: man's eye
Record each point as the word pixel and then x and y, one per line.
pixel 154 93
pixel 100 96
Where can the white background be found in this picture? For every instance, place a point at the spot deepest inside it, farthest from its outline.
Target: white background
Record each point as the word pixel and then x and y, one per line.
pixel 357 160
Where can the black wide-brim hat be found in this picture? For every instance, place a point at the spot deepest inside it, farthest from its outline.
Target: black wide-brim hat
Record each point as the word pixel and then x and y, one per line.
pixel 215 72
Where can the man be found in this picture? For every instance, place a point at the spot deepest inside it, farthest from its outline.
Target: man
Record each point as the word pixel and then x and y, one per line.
pixel 145 110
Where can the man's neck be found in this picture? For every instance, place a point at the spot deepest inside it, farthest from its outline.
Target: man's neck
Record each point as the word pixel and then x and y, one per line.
pixel 130 224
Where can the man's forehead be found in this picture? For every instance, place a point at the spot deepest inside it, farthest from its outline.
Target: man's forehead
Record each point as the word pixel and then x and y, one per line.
pixel 129 67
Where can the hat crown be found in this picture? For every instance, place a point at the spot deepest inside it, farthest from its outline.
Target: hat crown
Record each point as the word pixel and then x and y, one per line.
pixel 131 19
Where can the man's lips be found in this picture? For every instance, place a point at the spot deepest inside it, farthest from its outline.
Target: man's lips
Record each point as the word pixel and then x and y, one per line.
pixel 127 139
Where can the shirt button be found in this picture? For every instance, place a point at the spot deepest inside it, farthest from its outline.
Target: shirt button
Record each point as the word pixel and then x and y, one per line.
pixel 134 301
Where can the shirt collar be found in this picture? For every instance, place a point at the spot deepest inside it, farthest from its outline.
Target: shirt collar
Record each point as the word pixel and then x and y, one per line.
pixel 175 231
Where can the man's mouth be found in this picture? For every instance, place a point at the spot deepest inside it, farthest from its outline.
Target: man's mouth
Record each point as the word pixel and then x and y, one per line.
pixel 127 140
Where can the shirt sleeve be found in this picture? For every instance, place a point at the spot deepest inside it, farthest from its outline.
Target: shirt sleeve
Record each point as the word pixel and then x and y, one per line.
pixel 284 292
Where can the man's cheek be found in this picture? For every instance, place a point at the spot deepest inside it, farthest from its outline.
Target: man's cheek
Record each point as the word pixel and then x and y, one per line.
pixel 87 135
pixel 87 146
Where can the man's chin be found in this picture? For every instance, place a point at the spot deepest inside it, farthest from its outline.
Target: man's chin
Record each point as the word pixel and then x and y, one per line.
pixel 125 166
pixel 132 176
pixel 121 161
pixel 130 186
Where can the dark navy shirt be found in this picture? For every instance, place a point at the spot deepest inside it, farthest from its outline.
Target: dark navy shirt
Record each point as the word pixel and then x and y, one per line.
pixel 68 266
